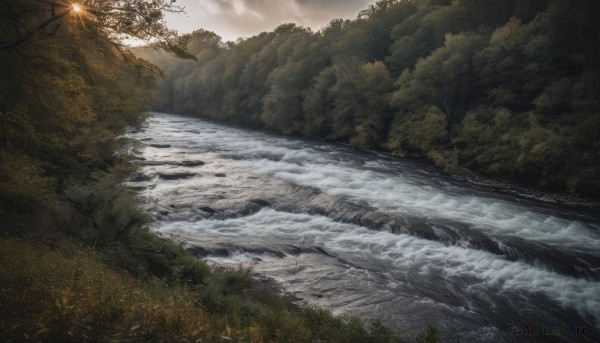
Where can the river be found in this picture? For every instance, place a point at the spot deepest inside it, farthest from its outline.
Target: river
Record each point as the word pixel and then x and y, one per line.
pixel 364 234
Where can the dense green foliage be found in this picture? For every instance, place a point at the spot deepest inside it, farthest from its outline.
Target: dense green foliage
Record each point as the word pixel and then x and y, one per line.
pixel 507 88
pixel 77 260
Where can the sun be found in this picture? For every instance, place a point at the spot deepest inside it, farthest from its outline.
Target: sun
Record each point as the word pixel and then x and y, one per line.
pixel 76 8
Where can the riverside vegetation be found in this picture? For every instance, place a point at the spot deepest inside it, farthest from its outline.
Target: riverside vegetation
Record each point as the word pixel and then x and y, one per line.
pixel 77 260
pixel 507 88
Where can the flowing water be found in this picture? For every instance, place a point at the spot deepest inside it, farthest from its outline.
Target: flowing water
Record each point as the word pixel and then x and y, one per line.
pixel 364 234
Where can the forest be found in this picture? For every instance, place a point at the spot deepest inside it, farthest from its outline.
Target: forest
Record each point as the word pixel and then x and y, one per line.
pixel 78 260
pixel 507 88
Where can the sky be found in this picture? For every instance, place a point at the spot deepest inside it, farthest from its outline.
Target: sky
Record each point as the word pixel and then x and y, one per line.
pixel 232 19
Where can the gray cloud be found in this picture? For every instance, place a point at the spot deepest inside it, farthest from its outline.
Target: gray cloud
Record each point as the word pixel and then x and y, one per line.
pixel 242 18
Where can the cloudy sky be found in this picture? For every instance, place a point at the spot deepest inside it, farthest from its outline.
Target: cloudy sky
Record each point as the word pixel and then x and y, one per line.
pixel 231 19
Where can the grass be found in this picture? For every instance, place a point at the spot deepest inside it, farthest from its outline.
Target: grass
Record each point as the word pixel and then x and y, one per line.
pixel 68 293
pixel 72 296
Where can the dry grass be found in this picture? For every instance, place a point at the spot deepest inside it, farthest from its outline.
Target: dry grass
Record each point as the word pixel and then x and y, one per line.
pixel 69 294
pixel 50 295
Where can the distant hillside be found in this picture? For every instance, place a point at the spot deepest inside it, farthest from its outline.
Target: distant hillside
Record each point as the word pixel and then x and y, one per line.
pixel 507 88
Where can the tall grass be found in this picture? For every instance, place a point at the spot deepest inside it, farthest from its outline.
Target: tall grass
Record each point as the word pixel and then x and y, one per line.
pixel 69 294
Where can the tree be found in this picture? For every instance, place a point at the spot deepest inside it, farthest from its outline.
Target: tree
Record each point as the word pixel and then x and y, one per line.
pixel 375 25
pixel 504 67
pixel 445 78
pixel 361 98
pixel 112 20
pixel 68 89
pixel 319 104
pixel 300 58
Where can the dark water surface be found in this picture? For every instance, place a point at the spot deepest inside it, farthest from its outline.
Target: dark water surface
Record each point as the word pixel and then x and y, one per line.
pixel 363 234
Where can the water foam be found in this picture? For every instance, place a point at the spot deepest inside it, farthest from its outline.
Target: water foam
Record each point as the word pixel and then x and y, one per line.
pixel 378 183
pixel 464 289
pixel 398 252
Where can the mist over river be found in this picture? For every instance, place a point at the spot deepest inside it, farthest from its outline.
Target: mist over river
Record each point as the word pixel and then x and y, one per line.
pixel 364 234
